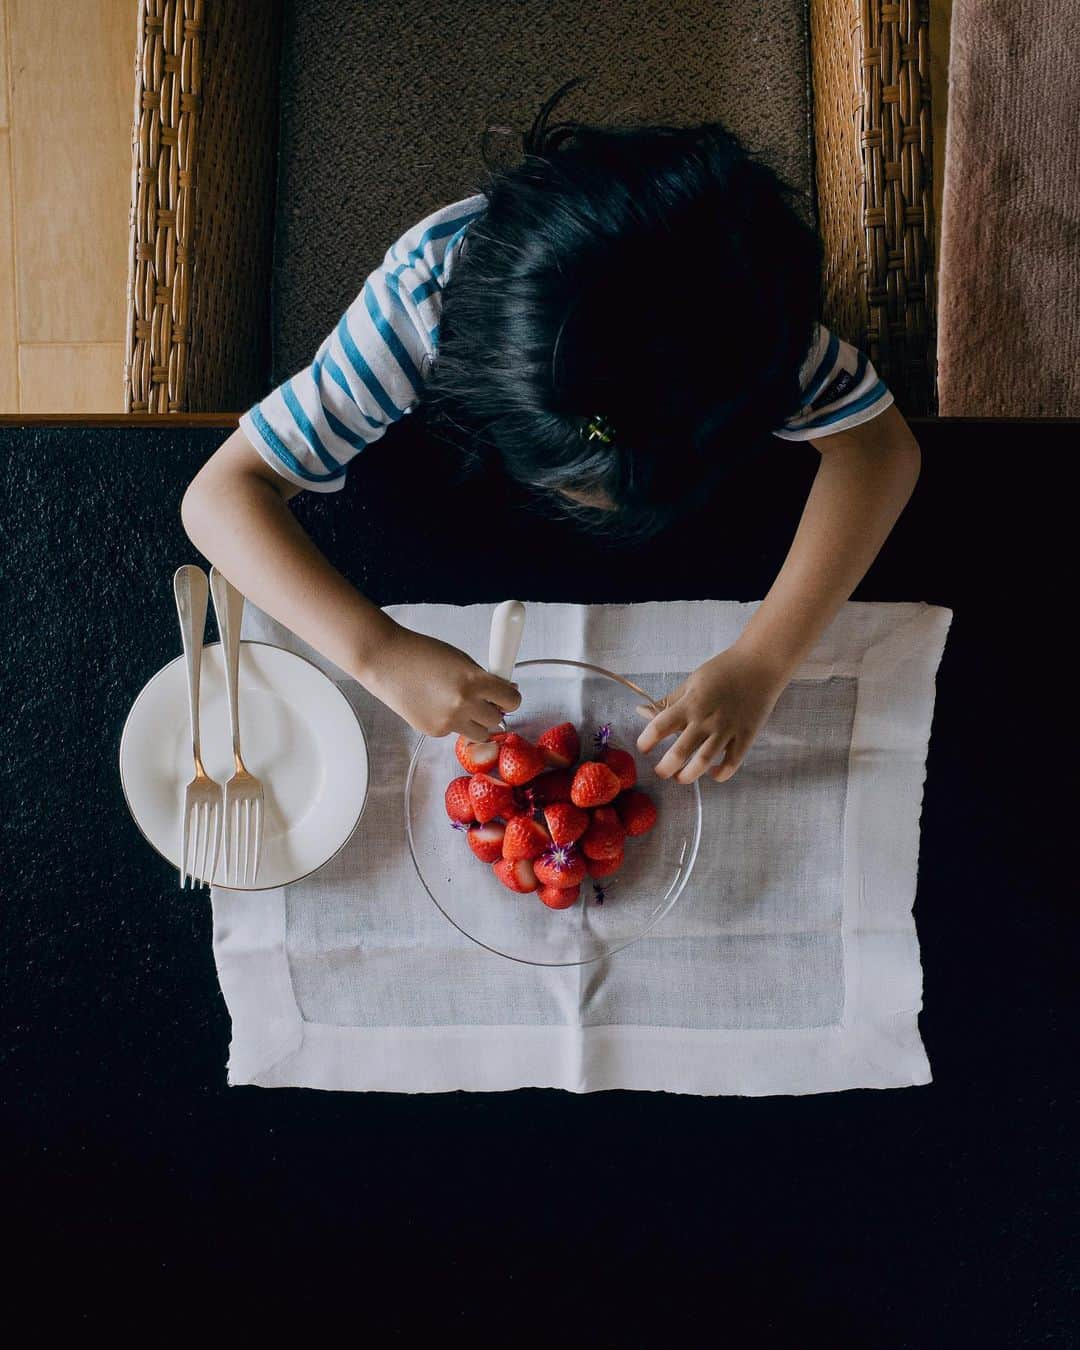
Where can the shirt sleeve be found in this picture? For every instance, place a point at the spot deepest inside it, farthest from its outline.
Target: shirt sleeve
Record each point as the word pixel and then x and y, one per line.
pixel 367 372
pixel 840 389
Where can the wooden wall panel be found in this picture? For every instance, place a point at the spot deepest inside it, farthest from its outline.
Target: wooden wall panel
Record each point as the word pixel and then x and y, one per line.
pixel 66 95
pixel 74 377
pixel 3 68
pixel 9 356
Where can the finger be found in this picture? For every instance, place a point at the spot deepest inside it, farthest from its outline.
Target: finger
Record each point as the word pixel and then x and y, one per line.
pixel 663 724
pixel 700 760
pixel 487 714
pixel 473 730
pixel 733 758
pixel 647 709
pixel 502 693
pixel 680 752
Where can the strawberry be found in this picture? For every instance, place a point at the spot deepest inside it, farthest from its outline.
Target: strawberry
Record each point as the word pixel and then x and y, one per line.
pixel 524 838
pixel 486 841
pixel 489 797
pixel 605 835
pixel 458 803
pixel 560 745
pixel 604 867
pixel 621 763
pixel 594 784
pixel 553 786
pixel 561 865
pixel 518 875
pixel 519 760
pixel 566 822
pixel 559 897
pixel 476 756
pixel 636 811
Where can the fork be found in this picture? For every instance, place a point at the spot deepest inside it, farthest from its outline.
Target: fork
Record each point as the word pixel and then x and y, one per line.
pixel 243 791
pixel 200 821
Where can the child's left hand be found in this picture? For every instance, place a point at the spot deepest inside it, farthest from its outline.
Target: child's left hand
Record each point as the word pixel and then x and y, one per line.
pixel 720 707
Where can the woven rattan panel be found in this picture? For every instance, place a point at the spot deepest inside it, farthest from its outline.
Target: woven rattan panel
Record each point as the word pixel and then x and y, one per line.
pixel 871 81
pixel 203 152
pixel 383 105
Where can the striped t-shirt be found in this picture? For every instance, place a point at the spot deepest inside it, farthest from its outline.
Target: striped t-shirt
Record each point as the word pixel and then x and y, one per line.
pixel 367 373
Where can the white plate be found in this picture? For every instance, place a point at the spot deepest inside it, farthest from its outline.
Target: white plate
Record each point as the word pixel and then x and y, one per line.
pixel 298 734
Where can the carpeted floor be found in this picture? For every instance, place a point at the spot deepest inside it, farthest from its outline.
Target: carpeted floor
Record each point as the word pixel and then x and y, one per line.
pixel 1008 318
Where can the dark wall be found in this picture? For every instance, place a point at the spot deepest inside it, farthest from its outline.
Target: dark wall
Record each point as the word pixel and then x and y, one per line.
pixel 923 1217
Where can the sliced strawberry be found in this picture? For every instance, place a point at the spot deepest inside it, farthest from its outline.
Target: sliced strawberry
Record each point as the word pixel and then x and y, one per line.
pixel 476 756
pixel 486 841
pixel 524 838
pixel 559 897
pixel 518 875
pixel 605 836
pixel 622 764
pixel 604 867
pixel 519 760
pixel 560 745
pixel 458 802
pixel 553 786
pixel 561 865
pixel 490 798
pixel 566 821
pixel 594 784
pixel 636 811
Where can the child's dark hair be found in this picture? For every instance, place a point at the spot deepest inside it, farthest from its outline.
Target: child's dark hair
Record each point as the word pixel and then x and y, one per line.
pixel 660 277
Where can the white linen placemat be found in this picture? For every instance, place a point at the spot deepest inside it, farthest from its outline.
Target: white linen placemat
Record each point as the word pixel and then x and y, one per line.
pixel 789 965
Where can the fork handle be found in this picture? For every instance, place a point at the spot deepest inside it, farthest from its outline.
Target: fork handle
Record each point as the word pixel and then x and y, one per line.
pixel 190 590
pixel 229 608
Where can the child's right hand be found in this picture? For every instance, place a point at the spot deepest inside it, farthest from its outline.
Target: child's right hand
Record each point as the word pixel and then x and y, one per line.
pixel 436 688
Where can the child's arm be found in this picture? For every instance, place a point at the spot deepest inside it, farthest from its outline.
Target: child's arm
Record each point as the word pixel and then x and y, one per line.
pixel 235 512
pixel 866 476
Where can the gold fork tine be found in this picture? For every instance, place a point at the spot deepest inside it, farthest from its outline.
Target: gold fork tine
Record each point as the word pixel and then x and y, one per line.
pixel 230 844
pixel 218 832
pixel 258 838
pixel 185 840
pixel 204 825
pixel 211 826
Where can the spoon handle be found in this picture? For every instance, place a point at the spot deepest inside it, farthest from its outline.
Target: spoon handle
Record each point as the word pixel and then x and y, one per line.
pixel 507 625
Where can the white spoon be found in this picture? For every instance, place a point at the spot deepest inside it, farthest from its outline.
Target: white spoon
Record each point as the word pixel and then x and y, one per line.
pixel 507 626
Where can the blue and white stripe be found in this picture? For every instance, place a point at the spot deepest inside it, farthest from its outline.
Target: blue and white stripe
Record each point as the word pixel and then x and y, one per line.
pixel 865 397
pixel 367 372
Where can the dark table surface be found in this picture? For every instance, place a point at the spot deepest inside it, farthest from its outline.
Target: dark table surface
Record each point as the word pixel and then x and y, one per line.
pixel 932 1216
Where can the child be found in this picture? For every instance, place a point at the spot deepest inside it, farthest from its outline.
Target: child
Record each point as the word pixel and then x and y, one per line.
pixel 611 323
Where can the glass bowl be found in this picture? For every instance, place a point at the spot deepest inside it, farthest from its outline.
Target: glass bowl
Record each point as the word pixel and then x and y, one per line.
pixel 521 927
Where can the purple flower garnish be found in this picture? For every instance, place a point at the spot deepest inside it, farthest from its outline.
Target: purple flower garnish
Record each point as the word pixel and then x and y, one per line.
pixel 458 825
pixel 602 736
pixel 559 856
